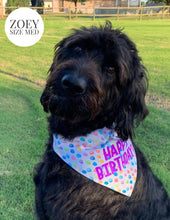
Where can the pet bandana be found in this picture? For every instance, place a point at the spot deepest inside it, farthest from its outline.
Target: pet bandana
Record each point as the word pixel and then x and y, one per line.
pixel 102 157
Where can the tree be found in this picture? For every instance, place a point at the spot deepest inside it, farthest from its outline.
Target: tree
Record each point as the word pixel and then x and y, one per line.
pixel 166 2
pixel 15 3
pixel 33 3
pixel 37 3
pixel 40 3
pixel 75 2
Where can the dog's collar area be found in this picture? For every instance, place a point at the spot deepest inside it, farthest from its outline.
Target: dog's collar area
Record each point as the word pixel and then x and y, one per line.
pixel 102 157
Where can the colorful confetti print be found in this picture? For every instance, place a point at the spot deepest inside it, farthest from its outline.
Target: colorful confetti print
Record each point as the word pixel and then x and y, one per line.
pixel 102 157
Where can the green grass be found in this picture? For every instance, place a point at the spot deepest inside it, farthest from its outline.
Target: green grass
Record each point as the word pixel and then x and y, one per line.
pixel 22 143
pixel 153 139
pixel 23 124
pixel 152 39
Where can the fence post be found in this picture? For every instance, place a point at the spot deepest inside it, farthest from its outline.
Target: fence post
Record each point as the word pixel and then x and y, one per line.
pixel 44 13
pixel 94 12
pixel 117 13
pixel 141 13
pixel 76 11
pixel 69 13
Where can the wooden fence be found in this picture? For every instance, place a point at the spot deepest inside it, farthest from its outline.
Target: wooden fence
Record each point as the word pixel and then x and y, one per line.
pixel 98 12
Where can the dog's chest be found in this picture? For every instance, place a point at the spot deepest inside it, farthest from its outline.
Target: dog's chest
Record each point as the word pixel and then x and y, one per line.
pixel 73 193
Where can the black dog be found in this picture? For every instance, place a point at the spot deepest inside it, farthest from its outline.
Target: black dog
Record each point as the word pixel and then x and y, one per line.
pixel 96 81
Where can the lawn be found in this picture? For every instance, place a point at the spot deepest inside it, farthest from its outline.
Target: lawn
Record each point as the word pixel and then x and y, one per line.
pixel 23 124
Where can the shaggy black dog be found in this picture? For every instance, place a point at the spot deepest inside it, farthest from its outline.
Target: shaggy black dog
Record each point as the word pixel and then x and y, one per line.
pixel 96 80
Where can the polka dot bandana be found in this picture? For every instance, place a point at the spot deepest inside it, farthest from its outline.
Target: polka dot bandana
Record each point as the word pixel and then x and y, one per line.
pixel 102 157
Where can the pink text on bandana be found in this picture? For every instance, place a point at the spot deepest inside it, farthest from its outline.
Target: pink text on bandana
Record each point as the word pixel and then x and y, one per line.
pixel 118 162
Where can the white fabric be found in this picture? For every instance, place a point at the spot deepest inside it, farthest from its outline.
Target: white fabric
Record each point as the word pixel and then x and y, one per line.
pixel 102 157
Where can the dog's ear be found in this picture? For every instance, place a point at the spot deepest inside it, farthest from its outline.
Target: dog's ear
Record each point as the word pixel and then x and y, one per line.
pixel 57 54
pixel 132 108
pixel 45 99
pixel 46 93
pixel 133 84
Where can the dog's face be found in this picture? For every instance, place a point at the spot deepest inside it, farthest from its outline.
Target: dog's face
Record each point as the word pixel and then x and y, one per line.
pixel 97 75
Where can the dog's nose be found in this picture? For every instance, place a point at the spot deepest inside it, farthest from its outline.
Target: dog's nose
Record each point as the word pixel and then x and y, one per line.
pixel 73 84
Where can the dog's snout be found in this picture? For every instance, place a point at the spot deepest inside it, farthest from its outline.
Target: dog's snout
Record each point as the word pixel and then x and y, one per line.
pixel 73 84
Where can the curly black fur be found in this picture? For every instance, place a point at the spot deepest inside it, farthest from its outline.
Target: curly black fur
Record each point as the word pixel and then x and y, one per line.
pixel 113 86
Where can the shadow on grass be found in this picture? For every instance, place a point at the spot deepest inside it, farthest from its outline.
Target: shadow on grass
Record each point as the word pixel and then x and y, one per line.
pixel 21 78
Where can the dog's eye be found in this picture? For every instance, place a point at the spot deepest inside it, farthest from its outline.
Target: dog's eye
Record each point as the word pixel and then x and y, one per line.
pixel 110 70
pixel 78 49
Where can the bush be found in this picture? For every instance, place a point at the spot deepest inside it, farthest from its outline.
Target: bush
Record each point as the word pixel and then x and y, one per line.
pixel 40 3
pixel 15 4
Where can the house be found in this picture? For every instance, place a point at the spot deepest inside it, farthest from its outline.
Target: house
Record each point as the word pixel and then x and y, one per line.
pixel 1 9
pixel 87 6
pixel 48 3
pixel 83 5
